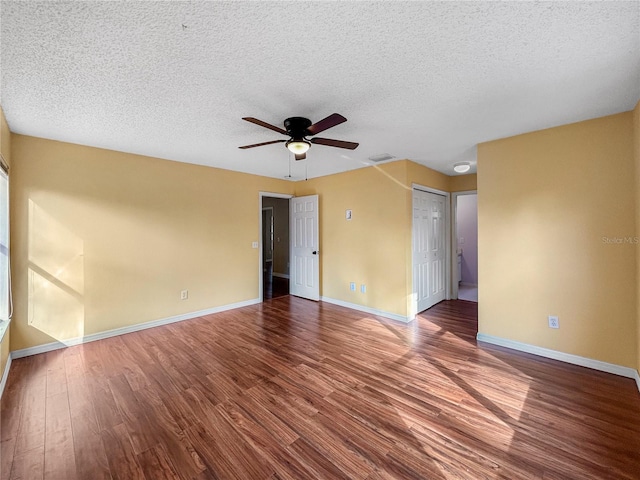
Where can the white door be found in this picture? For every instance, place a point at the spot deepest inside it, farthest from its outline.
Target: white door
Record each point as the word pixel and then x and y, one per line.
pixel 305 275
pixel 429 249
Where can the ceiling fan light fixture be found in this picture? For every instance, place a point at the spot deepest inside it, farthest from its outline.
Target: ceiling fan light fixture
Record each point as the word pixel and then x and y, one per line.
pixel 461 167
pixel 298 146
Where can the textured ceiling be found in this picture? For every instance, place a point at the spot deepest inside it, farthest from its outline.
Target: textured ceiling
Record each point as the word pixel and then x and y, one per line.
pixel 420 80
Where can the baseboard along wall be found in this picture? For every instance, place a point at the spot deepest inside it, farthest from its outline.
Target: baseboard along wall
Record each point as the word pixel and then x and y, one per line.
pixel 369 310
pixel 48 347
pixel 561 356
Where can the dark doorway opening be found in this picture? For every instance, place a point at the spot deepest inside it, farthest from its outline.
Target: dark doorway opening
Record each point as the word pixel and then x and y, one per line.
pixel 275 247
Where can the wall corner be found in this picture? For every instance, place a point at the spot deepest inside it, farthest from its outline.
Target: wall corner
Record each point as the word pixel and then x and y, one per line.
pixel 636 156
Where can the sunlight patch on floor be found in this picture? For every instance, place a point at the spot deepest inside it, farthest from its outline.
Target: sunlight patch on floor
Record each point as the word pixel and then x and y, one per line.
pixel 466 397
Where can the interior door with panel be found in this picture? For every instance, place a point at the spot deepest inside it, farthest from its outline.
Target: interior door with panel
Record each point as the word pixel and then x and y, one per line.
pixel 305 272
pixel 429 249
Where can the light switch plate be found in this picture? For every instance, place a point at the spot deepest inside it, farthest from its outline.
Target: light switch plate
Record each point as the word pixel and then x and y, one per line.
pixel 348 215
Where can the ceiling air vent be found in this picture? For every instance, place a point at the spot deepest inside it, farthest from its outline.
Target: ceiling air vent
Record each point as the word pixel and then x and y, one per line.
pixel 381 158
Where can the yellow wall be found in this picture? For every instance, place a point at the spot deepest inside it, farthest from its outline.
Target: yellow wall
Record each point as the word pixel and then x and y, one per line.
pixel 5 138
pixel 104 239
pixel 426 177
pixel 5 148
pixel 463 183
pixel 369 248
pixel 548 203
pixel 636 153
pixel 374 247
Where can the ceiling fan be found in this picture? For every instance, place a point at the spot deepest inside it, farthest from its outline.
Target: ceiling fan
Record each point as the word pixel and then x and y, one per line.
pixel 298 129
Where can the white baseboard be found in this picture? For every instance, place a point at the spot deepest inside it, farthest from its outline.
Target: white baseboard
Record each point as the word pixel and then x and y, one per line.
pixel 280 275
pixel 48 347
pixel 362 308
pixel 563 357
pixel 5 375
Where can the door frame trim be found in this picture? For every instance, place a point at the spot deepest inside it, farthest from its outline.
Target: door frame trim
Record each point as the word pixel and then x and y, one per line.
pixel 454 237
pixel 260 272
pixel 413 307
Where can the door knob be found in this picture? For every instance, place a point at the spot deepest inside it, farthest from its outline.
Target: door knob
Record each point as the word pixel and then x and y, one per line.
pixel 315 252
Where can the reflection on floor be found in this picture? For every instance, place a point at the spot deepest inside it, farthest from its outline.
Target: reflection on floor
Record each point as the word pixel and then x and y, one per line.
pixel 468 292
pixel 273 287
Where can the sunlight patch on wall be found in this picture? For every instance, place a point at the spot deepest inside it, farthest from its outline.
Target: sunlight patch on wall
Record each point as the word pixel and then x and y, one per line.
pixel 56 277
pixel 392 178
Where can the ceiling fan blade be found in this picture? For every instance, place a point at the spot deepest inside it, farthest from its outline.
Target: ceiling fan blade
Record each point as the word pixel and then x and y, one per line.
pixel 331 121
pixel 261 144
pixel 265 125
pixel 334 143
pixel 301 156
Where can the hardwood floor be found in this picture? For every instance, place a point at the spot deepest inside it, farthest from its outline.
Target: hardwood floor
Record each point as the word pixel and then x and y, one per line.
pixel 292 389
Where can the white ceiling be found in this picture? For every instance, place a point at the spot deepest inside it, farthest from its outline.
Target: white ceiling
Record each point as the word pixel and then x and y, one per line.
pixel 425 81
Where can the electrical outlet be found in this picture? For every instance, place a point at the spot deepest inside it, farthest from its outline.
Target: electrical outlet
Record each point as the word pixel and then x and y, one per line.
pixel 352 286
pixel 184 294
pixel 553 321
pixel 254 244
pixel 363 288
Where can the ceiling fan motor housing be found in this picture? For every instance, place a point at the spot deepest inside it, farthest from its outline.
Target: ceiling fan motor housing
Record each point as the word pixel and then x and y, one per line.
pixel 297 127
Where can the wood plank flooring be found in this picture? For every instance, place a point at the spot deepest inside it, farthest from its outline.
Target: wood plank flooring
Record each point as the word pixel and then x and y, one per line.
pixel 292 389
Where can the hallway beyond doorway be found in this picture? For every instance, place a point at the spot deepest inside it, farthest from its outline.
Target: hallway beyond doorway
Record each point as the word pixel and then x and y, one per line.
pixel 273 286
pixel 468 292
